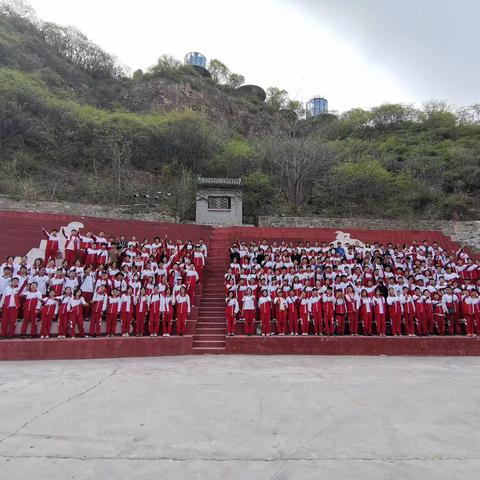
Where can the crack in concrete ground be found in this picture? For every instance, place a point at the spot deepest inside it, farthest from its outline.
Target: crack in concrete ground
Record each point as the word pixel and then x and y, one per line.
pixel 241 459
pixel 57 405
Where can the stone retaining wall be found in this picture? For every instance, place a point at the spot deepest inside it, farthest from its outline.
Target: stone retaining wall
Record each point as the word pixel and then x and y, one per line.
pixel 466 233
pixel 126 212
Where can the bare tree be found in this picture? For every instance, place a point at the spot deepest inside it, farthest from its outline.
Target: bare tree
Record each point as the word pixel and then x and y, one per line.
pixel 183 194
pixel 18 8
pixel 297 163
pixel 73 45
pixel 121 154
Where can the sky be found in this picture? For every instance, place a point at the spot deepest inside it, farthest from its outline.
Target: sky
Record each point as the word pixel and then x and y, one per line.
pixel 356 53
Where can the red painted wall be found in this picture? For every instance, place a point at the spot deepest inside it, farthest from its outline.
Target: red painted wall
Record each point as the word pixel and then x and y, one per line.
pixel 21 231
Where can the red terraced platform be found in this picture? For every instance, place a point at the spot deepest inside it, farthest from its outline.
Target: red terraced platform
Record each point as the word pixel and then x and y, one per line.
pixel 84 348
pixel 21 231
pixel 390 346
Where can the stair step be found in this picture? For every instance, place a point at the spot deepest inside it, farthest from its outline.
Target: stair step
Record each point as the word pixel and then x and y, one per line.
pixel 216 322
pixel 208 350
pixel 209 338
pixel 211 330
pixel 209 343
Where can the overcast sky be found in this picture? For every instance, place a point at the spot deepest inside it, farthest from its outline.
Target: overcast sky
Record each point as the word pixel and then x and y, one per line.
pixel 357 53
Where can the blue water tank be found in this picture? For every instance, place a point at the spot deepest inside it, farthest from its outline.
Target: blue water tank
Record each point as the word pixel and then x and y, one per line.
pixel 196 59
pixel 316 106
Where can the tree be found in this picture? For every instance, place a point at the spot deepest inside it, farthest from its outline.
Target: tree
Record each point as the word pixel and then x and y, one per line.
pixel 235 80
pixel 295 163
pixel 365 183
pixel 258 194
pixel 222 75
pixel 296 106
pixel 277 98
pixel 219 71
pixel 73 45
pixel 183 194
pixel 392 115
pixel 18 8
pixel 166 64
pixel 121 154
pixel 438 114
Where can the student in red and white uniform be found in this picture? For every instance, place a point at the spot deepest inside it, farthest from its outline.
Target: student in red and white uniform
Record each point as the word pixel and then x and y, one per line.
pixel 51 250
pixel 167 308
pixel 476 311
pixel 265 311
pixel 280 311
pixel 49 309
pixel 450 307
pixel 428 318
pixel 304 309
pixel 98 306
pixel 91 255
pixel 64 312
pixel 328 302
pixel 23 280
pixel 114 305
pixel 141 309
pixel 182 301
pixel 41 279
pixel 76 306
pixel 10 305
pixel 119 283
pixel 467 312
pixel 248 311
pixel 71 281
pixel 198 260
pixel 102 281
pixel 418 301
pixel 365 310
pixel 191 279
pixel 31 307
pixel 57 282
pixel 178 285
pixel 231 310
pixel 316 308
pixel 351 301
pixel 126 311
pixel 292 312
pixel 380 313
pixel 340 312
pixel 394 308
pixel 136 285
pixel 103 255
pixel 408 306
pixel 72 246
pixel 438 313
pixel 154 304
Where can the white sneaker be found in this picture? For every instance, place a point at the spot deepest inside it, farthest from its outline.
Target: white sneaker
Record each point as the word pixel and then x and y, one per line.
pixel 42 336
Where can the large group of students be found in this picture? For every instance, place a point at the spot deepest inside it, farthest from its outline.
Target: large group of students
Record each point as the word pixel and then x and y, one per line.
pixel 138 287
pixel 316 288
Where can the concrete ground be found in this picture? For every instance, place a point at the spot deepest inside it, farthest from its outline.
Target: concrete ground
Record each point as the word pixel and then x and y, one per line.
pixel 241 417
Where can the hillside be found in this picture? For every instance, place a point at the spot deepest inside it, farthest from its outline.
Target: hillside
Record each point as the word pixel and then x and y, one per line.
pixel 76 126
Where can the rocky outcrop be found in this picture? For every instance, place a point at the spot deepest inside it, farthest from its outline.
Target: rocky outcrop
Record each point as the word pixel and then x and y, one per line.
pixel 242 114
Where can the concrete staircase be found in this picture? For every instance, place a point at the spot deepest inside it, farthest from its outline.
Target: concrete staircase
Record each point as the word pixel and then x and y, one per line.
pixel 211 328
